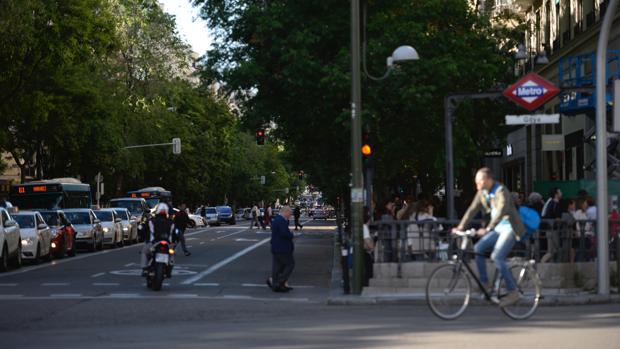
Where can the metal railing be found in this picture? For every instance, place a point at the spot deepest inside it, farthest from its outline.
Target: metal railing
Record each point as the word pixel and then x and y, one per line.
pixel 557 241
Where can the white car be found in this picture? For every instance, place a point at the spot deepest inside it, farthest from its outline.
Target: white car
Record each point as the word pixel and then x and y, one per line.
pixel 112 227
pixel 36 236
pixel 10 241
pixel 129 225
pixel 211 215
pixel 198 221
pixel 87 227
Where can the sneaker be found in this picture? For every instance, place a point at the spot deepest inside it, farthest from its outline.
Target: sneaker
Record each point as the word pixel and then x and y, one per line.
pixel 510 299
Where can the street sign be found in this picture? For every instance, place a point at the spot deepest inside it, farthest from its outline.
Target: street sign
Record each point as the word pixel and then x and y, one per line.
pixel 493 153
pixel 532 119
pixel 531 91
pixel 176 146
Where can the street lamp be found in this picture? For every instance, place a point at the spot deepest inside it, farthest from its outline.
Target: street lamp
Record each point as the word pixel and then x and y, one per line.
pixel 401 54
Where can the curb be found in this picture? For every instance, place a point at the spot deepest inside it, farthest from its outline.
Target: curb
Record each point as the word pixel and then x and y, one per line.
pixel 547 300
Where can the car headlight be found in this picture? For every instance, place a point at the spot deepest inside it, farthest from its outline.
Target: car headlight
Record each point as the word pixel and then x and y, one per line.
pixel 27 241
pixel 105 230
pixel 125 229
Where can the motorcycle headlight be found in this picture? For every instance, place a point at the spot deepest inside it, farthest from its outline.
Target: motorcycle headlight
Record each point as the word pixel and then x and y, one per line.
pixel 105 230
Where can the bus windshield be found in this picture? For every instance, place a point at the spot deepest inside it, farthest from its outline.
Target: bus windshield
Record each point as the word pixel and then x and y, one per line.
pixel 134 206
pixel 48 201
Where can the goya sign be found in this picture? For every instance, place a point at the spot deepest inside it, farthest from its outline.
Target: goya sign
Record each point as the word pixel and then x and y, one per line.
pixel 531 91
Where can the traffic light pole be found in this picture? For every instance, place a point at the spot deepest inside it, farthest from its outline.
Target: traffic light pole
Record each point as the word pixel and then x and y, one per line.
pixel 357 191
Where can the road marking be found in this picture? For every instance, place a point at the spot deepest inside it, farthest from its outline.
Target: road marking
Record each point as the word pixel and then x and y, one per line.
pixel 224 262
pixel 234 296
pixel 97 275
pixel 208 284
pixel 123 295
pixel 182 295
pixel 290 299
pixel 231 234
pixel 265 285
pixel 106 284
pixel 8 285
pixel 243 239
pixel 202 242
pixel 55 284
pixel 129 264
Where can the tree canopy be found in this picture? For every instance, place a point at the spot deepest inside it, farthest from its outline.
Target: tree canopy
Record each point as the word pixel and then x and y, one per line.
pixel 294 57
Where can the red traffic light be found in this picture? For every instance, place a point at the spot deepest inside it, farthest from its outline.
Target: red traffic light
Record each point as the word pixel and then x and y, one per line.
pixel 260 136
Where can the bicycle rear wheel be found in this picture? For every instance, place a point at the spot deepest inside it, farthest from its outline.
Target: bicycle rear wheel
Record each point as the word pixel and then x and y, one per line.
pixel 448 291
pixel 528 284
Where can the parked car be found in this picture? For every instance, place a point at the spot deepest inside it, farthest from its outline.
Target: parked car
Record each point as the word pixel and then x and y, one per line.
pixel 136 206
pixel 10 242
pixel 211 215
pixel 63 233
pixel 89 232
pixel 36 236
pixel 129 225
pixel 112 227
pixel 225 215
pixel 196 221
pixel 244 213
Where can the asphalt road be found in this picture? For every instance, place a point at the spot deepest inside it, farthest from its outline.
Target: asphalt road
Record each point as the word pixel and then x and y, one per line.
pixel 217 299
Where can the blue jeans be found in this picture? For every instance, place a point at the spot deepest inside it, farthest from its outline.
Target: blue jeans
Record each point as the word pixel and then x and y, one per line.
pixel 501 244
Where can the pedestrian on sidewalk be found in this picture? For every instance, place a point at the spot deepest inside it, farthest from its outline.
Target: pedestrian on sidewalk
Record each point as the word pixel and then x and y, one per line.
pixel 181 220
pixel 552 210
pixel 268 214
pixel 282 249
pixel 297 215
pixel 255 215
pixel 369 249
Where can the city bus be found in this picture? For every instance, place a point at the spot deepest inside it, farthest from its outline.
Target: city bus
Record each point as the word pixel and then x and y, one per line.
pixel 51 194
pixel 152 195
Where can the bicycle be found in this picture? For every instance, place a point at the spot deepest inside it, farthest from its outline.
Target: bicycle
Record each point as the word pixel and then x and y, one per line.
pixel 448 289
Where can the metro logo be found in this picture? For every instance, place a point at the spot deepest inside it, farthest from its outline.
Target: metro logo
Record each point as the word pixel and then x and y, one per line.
pixel 531 91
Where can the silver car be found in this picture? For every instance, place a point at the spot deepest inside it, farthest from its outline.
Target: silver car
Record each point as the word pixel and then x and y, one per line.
pixel 36 236
pixel 129 225
pixel 89 232
pixel 112 227
pixel 211 215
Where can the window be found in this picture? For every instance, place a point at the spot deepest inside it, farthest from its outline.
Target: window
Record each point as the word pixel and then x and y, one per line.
pixel 5 217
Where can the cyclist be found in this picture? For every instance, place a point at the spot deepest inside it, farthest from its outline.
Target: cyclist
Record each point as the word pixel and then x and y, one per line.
pixel 501 232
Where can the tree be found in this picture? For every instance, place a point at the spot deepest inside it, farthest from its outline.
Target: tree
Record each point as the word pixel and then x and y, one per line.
pixel 294 57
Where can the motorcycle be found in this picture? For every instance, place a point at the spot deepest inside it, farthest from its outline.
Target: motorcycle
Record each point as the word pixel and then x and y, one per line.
pixel 160 264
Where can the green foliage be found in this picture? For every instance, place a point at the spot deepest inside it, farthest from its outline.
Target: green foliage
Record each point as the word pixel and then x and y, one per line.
pixel 80 80
pixel 294 57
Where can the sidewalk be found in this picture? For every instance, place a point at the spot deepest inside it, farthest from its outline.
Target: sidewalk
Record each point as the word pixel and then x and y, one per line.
pixel 550 297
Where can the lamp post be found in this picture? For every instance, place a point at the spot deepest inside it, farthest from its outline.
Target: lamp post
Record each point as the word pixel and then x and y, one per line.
pixel 403 53
pixel 539 59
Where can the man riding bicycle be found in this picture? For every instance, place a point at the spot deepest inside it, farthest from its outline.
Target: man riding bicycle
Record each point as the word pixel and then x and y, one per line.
pixel 500 234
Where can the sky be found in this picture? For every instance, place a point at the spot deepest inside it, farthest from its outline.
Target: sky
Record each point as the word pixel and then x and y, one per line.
pixel 191 27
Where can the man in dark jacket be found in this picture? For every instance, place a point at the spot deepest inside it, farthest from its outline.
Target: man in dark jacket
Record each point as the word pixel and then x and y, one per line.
pixel 181 221
pixel 282 251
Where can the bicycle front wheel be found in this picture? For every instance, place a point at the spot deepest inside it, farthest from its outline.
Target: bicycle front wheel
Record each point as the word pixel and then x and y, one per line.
pixel 448 291
pixel 528 284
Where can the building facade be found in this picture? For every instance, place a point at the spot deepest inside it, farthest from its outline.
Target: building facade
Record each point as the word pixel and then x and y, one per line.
pixel 566 33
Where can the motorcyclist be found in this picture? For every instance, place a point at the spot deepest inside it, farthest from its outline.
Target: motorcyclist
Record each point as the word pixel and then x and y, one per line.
pixel 160 228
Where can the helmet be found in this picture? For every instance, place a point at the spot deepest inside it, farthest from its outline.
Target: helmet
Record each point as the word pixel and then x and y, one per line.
pixel 162 209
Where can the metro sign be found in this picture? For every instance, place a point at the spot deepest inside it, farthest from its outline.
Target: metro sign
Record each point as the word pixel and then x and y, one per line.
pixel 531 91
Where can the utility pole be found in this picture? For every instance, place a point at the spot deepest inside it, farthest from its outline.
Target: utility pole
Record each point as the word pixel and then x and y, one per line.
pixel 357 190
pixel 602 231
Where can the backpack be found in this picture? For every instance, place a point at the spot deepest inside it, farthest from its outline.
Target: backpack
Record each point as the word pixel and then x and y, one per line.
pixel 530 219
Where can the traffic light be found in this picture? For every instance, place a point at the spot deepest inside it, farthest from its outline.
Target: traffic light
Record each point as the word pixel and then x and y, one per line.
pixel 260 136
pixel 367 150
